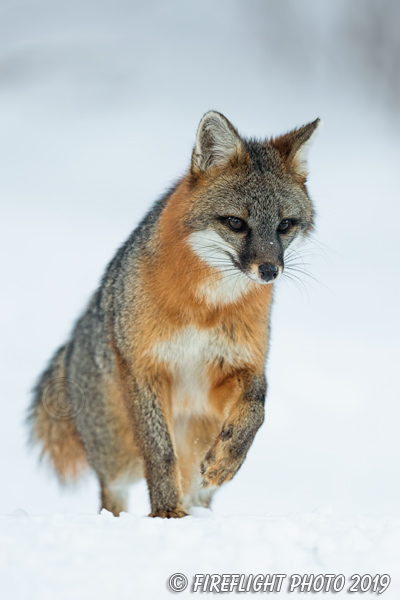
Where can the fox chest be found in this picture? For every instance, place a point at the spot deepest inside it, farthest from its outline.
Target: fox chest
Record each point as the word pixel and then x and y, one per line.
pixel 194 358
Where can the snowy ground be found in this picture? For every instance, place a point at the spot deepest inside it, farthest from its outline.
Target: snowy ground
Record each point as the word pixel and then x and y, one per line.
pixel 88 556
pixel 96 121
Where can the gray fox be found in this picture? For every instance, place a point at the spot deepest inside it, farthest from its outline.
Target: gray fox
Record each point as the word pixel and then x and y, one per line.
pixel 163 374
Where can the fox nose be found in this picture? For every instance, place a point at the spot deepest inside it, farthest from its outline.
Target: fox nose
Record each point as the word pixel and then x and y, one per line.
pixel 268 272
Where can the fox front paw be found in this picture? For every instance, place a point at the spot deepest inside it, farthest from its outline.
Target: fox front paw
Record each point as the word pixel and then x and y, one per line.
pixel 176 513
pixel 220 463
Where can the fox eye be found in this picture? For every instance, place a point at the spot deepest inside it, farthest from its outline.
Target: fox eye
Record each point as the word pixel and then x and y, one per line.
pixel 284 225
pixel 236 224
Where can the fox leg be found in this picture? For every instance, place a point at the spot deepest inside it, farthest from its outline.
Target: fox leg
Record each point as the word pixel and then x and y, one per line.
pixel 157 451
pixel 229 450
pixel 114 500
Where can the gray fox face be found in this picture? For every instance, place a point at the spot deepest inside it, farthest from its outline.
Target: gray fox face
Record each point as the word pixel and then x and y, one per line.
pixel 249 198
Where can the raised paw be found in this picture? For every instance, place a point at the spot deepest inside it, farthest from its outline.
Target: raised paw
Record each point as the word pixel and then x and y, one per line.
pixel 220 464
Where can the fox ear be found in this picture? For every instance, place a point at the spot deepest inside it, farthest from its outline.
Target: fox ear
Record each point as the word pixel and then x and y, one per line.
pixel 294 146
pixel 217 142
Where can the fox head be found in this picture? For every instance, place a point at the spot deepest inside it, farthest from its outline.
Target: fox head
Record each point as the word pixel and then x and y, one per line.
pixel 249 198
pixel 242 204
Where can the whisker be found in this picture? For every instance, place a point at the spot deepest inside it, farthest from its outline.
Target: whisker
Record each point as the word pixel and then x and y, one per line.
pixel 287 279
pixel 326 250
pixel 219 247
pixel 304 282
pixel 219 275
pixel 313 240
pixel 309 248
pixel 290 259
pixel 207 267
pixel 292 253
pixel 223 279
pixel 299 283
pixel 307 274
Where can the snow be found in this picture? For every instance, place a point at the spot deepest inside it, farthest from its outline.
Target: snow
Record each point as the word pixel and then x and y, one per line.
pixel 98 115
pixel 89 556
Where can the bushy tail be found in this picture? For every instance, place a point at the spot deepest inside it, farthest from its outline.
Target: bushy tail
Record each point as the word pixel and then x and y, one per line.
pixel 51 419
